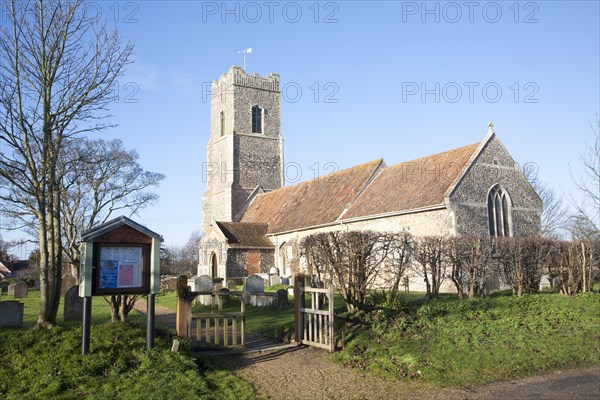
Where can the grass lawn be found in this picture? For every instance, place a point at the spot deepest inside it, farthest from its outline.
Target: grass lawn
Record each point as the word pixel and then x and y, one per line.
pixel 49 364
pixel 463 343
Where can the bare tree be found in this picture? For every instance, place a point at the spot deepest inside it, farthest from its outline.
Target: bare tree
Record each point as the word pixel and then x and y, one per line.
pixel 555 214
pixel 190 252
pixel 100 178
pixel 522 260
pixel 58 67
pixel 181 260
pixel 579 264
pixel 586 221
pixel 399 257
pixel 429 252
pixel 469 259
pixel 352 260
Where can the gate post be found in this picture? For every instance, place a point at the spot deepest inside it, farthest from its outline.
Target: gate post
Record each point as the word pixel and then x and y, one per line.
pixel 331 318
pixel 299 282
pixel 184 308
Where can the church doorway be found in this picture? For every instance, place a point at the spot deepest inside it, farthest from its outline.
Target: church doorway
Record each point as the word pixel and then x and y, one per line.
pixel 215 266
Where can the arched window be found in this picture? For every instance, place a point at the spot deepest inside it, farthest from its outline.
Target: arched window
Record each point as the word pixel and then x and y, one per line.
pixel 222 122
pixel 257 119
pixel 283 261
pixel 499 212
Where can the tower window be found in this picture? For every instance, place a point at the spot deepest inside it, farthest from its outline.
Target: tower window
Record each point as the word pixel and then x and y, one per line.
pixel 499 212
pixel 222 122
pixel 257 119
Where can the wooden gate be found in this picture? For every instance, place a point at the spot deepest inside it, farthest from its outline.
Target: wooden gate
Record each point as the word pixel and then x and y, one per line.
pixel 214 329
pixel 219 329
pixel 314 317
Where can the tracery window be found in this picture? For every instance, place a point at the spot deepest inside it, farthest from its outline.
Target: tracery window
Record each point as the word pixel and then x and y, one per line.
pixel 499 212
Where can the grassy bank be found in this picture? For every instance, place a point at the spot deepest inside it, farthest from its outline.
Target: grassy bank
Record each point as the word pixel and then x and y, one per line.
pixel 463 343
pixel 48 364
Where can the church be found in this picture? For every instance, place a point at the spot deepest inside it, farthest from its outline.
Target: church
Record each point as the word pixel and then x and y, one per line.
pixel 252 222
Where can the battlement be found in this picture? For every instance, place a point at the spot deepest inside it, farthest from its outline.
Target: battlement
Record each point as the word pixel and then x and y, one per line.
pixel 238 77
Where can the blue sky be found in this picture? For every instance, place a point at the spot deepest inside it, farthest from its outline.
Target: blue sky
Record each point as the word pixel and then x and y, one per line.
pixel 370 62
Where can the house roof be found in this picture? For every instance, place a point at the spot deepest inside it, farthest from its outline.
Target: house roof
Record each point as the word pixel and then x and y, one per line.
pixel 368 189
pixel 315 202
pixel 245 234
pixel 116 223
pixel 413 184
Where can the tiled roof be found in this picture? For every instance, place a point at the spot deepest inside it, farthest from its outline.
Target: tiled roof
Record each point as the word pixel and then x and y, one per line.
pixel 365 190
pixel 315 202
pixel 245 234
pixel 414 184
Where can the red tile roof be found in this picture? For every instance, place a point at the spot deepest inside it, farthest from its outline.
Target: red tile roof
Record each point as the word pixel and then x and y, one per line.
pixel 413 184
pixel 245 234
pixel 315 202
pixel 365 190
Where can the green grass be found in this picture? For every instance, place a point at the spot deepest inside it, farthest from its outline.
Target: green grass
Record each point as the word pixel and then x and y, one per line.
pixel 48 364
pixel 100 311
pixel 464 343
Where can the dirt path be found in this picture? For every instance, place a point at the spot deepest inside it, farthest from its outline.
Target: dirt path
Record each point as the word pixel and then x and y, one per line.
pixel 306 373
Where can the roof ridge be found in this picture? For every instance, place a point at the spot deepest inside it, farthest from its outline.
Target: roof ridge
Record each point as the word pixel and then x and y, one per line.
pixel 434 155
pixel 330 175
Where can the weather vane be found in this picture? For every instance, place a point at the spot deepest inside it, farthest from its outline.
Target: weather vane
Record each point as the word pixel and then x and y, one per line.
pixel 244 52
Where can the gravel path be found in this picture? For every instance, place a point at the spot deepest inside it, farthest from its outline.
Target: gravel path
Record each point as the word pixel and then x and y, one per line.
pixel 307 373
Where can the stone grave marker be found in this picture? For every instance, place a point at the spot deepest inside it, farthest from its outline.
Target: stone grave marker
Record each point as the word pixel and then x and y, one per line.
pixel 11 314
pixel 73 305
pixel 4 286
pixel 276 280
pixel 18 290
pixel 204 283
pixel 282 299
pixel 68 280
pixel 171 285
pixel 255 284
pixel 36 284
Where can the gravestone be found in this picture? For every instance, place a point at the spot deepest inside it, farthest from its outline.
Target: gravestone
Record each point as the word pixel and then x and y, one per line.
pixel 4 286
pixel 68 280
pixel 204 283
pixel 276 280
pixel 224 297
pixel 255 284
pixel 285 281
pixel 11 314
pixel 36 284
pixel 171 285
pixel 18 290
pixel 73 305
pixel 282 299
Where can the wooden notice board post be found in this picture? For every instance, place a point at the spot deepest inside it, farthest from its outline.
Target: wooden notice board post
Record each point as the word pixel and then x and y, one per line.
pixel 119 257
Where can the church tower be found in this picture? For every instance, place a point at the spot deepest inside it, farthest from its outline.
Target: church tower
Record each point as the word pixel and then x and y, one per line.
pixel 245 149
